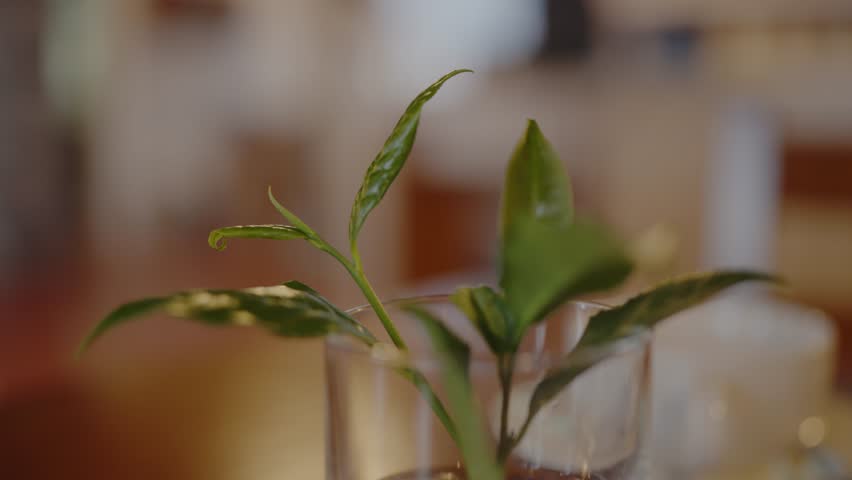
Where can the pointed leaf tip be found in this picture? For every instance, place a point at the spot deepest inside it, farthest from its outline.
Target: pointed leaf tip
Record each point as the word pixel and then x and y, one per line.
pixel 532 126
pixel 119 316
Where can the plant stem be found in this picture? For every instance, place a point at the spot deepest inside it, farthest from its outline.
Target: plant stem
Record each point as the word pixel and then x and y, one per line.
pixel 506 370
pixel 373 299
pixel 516 439
pixel 356 271
pixel 417 378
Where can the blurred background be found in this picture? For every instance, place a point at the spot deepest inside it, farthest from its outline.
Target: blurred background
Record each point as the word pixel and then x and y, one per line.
pixel 130 129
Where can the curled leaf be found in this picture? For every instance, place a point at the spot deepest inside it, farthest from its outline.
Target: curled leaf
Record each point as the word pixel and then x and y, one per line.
pixel 390 160
pixel 218 238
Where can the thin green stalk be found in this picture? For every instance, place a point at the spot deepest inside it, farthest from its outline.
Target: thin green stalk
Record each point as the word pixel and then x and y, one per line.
pixel 414 376
pixel 356 271
pixel 373 299
pixel 506 370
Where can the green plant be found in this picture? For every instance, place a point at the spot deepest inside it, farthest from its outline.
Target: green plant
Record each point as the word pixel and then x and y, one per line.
pixel 546 258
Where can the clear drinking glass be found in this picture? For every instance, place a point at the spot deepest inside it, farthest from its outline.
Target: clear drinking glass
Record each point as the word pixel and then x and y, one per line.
pixel 380 428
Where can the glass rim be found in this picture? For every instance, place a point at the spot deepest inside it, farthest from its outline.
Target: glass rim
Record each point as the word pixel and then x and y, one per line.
pixel 638 340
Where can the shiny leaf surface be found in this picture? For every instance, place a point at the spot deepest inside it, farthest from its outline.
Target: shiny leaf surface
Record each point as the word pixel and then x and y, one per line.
pixel 643 311
pixel 390 160
pixel 281 310
pixel 650 307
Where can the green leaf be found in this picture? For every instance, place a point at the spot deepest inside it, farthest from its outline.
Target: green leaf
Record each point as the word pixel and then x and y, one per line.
pixel 536 184
pixel 119 316
pixel 454 356
pixel 390 160
pixel 545 258
pixel 558 378
pixel 489 313
pixel 544 265
pixel 649 308
pixel 642 311
pixel 217 238
pixel 281 310
pixel 297 285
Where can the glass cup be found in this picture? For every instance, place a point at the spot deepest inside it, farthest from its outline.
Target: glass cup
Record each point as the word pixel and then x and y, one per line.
pixel 380 428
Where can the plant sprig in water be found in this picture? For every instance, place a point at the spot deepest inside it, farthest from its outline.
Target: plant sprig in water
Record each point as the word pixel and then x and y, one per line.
pixel 547 257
